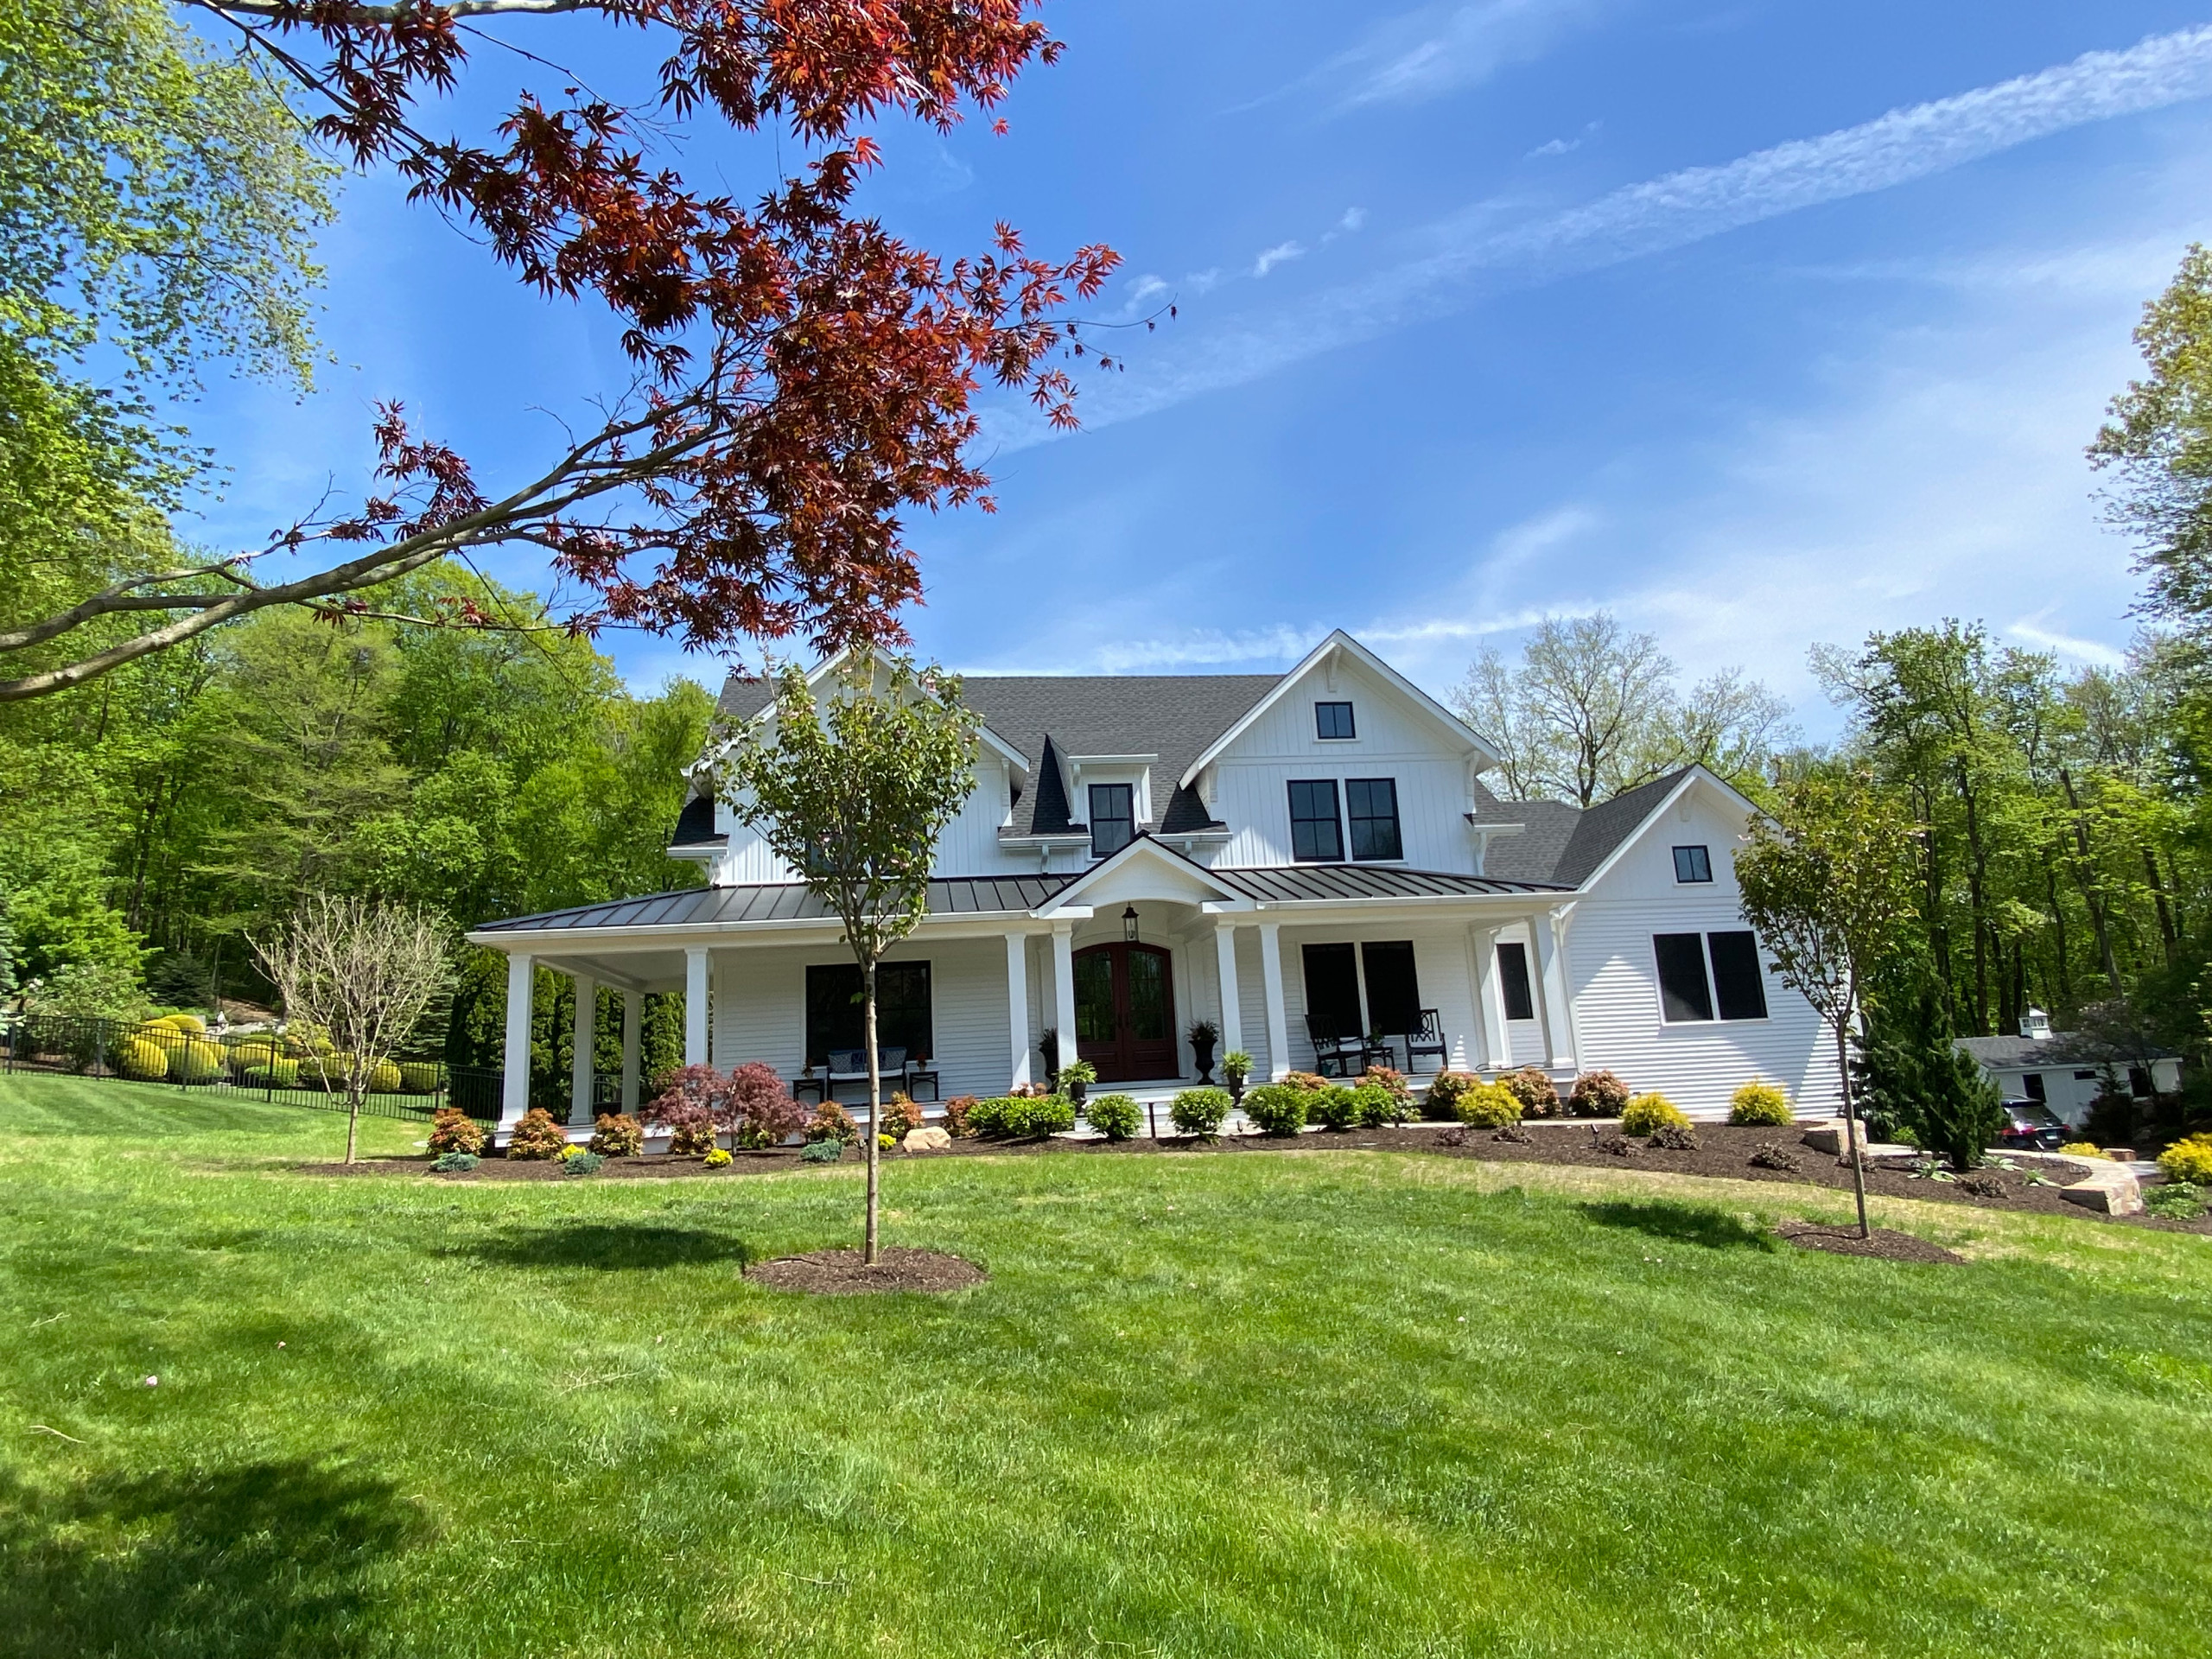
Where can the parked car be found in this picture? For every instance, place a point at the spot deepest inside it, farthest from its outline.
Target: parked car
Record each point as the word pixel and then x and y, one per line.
pixel 2029 1126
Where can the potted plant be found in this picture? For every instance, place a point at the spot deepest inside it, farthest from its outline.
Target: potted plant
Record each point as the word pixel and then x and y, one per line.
pixel 1204 1035
pixel 1076 1078
pixel 1048 1049
pixel 1236 1065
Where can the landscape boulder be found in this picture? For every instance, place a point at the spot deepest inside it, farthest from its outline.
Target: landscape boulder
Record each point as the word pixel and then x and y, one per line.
pixel 926 1139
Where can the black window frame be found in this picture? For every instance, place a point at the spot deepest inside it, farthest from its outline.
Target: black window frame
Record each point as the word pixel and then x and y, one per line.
pixel 1128 820
pixel 1335 821
pixel 1324 715
pixel 1701 858
pixel 1354 818
pixel 1738 979
pixel 902 1020
pixel 1683 1001
pixel 1513 980
pixel 1731 986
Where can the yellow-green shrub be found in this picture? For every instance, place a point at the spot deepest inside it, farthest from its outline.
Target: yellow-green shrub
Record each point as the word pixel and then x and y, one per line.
pixel 418 1077
pixel 191 1024
pixel 1761 1102
pixel 1445 1090
pixel 1488 1106
pixel 196 1062
pixel 140 1057
pixel 1648 1112
pixel 2188 1161
pixel 384 1078
pixel 2082 1149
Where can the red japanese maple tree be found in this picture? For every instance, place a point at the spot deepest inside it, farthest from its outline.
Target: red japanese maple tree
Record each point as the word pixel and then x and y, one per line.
pixel 802 376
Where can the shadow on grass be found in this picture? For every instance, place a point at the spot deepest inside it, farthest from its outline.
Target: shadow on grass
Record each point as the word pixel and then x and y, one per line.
pixel 1684 1223
pixel 273 1558
pixel 613 1248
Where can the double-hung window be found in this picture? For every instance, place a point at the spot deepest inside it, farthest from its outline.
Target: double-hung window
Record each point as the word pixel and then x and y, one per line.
pixel 1316 833
pixel 1709 976
pixel 1113 817
pixel 1372 805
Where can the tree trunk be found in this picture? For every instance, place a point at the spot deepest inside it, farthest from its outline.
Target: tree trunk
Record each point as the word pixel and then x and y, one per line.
pixel 1851 1123
pixel 2089 886
pixel 352 1115
pixel 875 1101
pixel 2159 896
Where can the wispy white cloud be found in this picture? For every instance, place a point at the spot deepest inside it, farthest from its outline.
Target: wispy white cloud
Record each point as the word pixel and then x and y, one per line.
pixel 1564 146
pixel 1474 258
pixel 1281 253
pixel 2029 631
pixel 1440 49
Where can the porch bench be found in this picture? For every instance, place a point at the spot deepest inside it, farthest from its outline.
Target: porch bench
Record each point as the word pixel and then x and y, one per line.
pixel 847 1065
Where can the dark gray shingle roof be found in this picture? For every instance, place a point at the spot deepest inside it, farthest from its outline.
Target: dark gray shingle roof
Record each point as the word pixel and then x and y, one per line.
pixel 694 825
pixel 1562 844
pixel 2059 1048
pixel 1175 716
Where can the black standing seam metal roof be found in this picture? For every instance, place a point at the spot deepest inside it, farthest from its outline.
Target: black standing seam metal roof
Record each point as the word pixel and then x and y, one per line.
pixel 790 901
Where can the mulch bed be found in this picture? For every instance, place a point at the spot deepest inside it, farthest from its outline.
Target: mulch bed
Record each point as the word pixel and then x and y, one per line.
pixel 1722 1151
pixel 1884 1244
pixel 843 1273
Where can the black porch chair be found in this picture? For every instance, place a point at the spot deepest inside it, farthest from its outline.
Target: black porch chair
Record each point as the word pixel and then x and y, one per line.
pixel 1426 1039
pixel 1336 1056
pixel 850 1066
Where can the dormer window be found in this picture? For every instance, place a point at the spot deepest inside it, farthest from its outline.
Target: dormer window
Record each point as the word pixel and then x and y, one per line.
pixel 1113 818
pixel 1332 720
pixel 1693 864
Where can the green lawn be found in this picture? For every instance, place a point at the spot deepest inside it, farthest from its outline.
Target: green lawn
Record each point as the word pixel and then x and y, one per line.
pixel 1342 1404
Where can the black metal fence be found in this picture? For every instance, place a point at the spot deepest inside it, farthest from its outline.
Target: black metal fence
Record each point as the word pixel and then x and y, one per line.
pixel 252 1065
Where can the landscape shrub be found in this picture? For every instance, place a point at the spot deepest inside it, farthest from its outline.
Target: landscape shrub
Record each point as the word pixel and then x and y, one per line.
pixel 140 1058
pixel 1533 1087
pixel 189 1023
pixel 1674 1137
pixel 538 1136
pixel 690 1130
pixel 1645 1113
pixel 1312 1082
pixel 1598 1094
pixel 383 1079
pixel 1277 1107
pixel 192 1061
pixel 618 1135
pixel 455 1163
pixel 831 1121
pixel 1488 1106
pixel 1017 1117
pixel 956 1115
pixel 418 1077
pixel 453 1130
pixel 1379 1106
pixel 820 1151
pixel 1199 1111
pixel 2188 1161
pixel 1620 1145
pixel 580 1162
pixel 755 1107
pixel 1115 1117
pixel 247 1052
pixel 1334 1108
pixel 278 1074
pixel 1761 1102
pixel 900 1116
pixel 1772 1155
pixel 2082 1149
pixel 1389 1077
pixel 719 1157
pixel 1512 1133
pixel 2175 1201
pixel 1444 1091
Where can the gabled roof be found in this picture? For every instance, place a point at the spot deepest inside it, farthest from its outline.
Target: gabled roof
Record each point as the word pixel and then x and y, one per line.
pixel 1568 846
pixel 2059 1048
pixel 694 825
pixel 777 901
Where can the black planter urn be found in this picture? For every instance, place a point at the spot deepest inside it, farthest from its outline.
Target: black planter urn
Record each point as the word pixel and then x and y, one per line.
pixel 1203 1053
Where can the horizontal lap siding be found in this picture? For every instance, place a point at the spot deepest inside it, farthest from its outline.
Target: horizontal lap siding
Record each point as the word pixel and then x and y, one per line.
pixel 1614 981
pixel 760 1009
pixel 1440 972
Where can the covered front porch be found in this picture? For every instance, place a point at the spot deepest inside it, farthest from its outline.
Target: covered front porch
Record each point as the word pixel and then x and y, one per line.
pixel 1114 967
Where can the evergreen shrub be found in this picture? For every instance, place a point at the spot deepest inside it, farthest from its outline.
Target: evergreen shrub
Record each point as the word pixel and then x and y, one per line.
pixel 1488 1106
pixel 1278 1107
pixel 1199 1111
pixel 1378 1106
pixel 140 1058
pixel 1335 1108
pixel 1645 1113
pixel 1115 1117
pixel 1761 1102
pixel 418 1077
pixel 2188 1161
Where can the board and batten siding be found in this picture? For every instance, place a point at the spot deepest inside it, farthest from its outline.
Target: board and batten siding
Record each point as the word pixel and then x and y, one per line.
pixel 759 994
pixel 1613 979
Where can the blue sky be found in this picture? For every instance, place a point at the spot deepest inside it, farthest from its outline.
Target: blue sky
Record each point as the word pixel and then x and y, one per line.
pixel 1757 324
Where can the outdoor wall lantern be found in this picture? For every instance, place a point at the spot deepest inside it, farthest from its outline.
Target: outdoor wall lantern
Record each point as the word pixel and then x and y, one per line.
pixel 1129 924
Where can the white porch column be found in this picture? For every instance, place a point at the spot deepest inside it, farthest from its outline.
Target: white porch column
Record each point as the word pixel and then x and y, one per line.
pixel 514 1084
pixel 633 1027
pixel 1551 988
pixel 695 1005
pixel 1017 1007
pixel 580 1045
pixel 1490 1026
pixel 1063 988
pixel 1232 1013
pixel 1271 981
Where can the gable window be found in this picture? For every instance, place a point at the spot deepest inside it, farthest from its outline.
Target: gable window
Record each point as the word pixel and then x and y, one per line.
pixel 1316 835
pixel 1113 817
pixel 1693 864
pixel 1333 720
pixel 1513 980
pixel 834 1011
pixel 1735 988
pixel 1372 805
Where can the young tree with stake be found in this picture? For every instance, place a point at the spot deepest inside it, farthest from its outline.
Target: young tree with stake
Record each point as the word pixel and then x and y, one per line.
pixel 364 972
pixel 852 792
pixel 1826 885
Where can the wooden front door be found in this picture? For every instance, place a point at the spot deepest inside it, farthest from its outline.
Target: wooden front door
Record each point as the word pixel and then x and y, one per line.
pixel 1125 1012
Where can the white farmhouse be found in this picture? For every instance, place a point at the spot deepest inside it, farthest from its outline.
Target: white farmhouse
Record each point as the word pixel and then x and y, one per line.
pixel 1308 862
